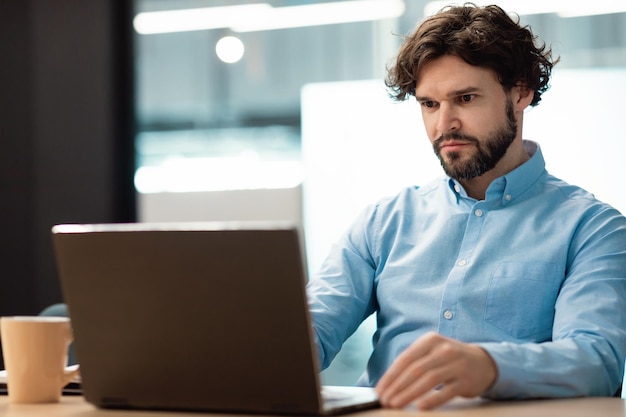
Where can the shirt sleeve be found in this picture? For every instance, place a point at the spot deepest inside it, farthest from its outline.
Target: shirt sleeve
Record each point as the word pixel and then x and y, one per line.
pixel 586 354
pixel 341 294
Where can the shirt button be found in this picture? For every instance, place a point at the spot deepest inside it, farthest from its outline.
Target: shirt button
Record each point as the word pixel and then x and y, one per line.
pixel 507 197
pixel 457 188
pixel 462 262
pixel 447 314
pixel 478 212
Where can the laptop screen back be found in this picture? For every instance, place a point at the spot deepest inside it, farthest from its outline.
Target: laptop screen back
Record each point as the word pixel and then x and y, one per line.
pixel 198 317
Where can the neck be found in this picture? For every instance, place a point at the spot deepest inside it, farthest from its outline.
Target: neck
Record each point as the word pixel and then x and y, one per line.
pixel 477 187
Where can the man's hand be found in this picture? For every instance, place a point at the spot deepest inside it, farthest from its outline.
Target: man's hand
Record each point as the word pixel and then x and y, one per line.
pixel 435 369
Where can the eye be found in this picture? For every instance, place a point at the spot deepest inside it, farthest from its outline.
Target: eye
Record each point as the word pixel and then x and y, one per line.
pixel 467 98
pixel 428 104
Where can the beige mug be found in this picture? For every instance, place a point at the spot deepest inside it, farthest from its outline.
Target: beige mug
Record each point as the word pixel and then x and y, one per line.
pixel 35 357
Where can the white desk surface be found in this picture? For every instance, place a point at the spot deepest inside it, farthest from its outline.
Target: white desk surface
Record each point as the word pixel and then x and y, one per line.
pixel 75 406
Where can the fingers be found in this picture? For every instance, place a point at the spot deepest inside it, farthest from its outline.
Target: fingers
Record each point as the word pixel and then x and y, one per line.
pixel 419 349
pixel 438 397
pixel 414 387
pixel 419 369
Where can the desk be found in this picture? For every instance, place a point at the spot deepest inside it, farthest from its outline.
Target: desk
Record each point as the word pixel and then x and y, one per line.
pixel 74 406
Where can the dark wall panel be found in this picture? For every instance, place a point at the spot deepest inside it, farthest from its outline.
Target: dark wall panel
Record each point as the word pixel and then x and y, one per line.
pixel 17 279
pixel 66 134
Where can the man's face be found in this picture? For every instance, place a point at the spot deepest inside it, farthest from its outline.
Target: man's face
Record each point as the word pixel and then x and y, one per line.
pixel 469 119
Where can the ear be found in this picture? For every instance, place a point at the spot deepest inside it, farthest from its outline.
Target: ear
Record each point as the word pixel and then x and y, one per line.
pixel 522 96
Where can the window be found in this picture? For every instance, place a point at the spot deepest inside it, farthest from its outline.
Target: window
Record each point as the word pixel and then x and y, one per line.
pixel 205 124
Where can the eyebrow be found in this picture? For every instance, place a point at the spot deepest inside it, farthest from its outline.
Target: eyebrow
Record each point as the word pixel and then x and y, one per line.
pixel 455 93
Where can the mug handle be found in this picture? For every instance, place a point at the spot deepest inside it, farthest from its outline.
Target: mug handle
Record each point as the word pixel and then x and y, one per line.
pixel 71 372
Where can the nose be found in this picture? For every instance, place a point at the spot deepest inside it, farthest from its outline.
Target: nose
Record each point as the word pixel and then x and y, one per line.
pixel 448 120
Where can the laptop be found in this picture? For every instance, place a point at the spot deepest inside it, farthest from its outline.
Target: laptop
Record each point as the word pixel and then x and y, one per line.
pixel 195 317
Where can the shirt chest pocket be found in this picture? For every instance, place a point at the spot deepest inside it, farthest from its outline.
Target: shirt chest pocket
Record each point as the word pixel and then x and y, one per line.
pixel 521 298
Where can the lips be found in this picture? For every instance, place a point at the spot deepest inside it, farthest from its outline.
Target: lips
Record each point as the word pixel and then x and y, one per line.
pixel 453 145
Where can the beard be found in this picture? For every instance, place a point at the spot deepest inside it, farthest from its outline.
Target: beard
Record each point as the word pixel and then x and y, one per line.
pixel 488 151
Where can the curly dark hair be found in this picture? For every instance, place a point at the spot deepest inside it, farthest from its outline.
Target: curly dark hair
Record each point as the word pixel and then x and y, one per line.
pixel 482 36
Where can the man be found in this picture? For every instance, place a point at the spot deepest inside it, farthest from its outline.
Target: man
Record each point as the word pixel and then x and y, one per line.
pixel 498 280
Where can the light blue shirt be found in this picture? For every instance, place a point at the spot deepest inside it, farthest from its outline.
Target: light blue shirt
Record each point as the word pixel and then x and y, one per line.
pixel 535 274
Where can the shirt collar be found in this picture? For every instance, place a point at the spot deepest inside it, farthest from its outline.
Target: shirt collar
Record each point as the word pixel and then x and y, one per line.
pixel 511 185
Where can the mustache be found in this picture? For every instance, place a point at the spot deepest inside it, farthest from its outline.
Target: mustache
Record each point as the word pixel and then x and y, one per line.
pixel 453 136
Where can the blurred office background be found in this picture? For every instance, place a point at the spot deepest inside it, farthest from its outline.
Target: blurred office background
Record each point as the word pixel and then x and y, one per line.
pixel 186 110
